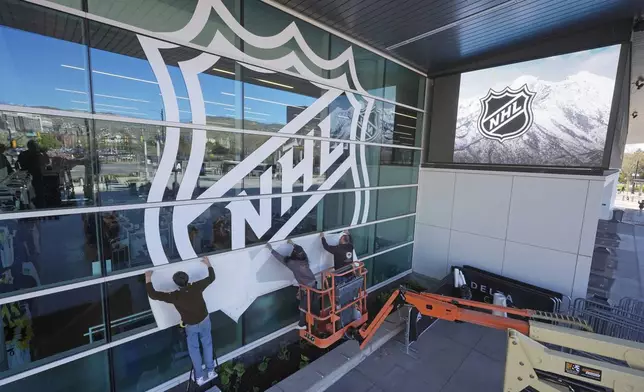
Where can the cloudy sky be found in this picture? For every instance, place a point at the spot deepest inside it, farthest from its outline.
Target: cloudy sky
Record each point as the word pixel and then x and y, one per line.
pixel 601 61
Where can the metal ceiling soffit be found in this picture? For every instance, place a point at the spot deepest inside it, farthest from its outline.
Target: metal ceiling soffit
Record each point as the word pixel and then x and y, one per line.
pixel 454 24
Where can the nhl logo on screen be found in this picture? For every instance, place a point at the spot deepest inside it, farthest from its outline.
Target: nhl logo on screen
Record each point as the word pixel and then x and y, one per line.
pixel 506 114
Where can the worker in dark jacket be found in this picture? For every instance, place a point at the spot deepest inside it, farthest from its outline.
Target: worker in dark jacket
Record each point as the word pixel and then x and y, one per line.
pixel 298 263
pixel 188 300
pixel 342 252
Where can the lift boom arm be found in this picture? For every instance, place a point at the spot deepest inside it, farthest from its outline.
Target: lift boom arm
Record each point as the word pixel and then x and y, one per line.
pixel 529 363
pixel 447 308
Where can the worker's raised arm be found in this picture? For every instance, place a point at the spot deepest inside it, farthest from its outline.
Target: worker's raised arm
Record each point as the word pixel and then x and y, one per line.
pixel 326 246
pixel 157 295
pixel 278 256
pixel 205 282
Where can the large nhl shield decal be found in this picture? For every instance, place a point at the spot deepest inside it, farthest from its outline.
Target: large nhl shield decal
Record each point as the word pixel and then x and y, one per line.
pixel 506 114
pixel 246 269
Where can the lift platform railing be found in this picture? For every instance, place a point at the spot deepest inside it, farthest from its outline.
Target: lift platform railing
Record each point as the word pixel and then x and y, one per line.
pixel 324 326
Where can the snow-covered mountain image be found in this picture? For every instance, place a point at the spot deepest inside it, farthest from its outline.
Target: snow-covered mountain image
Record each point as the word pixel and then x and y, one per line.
pixel 380 128
pixel 569 128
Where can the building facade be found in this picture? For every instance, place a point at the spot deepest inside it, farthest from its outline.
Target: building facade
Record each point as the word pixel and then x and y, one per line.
pixel 172 130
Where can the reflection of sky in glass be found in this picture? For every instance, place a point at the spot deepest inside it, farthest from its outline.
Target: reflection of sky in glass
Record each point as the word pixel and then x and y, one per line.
pixel 30 71
pixel 48 72
pixel 43 71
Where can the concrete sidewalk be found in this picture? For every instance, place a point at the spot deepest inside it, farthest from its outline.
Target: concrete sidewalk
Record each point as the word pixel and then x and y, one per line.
pixel 450 357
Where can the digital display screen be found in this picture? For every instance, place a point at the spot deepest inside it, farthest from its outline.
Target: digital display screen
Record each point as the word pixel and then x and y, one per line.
pixel 548 112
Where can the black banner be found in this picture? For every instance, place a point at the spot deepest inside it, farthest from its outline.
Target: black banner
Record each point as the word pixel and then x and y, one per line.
pixel 484 284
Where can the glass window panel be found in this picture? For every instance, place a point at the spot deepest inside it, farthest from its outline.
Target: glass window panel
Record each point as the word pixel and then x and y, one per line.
pixel 146 362
pixel 403 85
pixel 129 306
pixel 393 233
pixel 368 264
pixel 152 360
pixel 395 202
pixel 162 16
pixel 391 264
pixel 88 374
pixel 78 4
pixel 269 313
pixel 299 149
pixel 403 125
pixel 369 66
pixel 43 64
pixel 129 156
pixel 48 162
pixel 124 82
pixel 339 209
pixel 265 20
pixel 271 100
pixel 38 252
pixel 37 329
pixel 363 240
pixel 307 225
pixel 398 166
pixel 125 246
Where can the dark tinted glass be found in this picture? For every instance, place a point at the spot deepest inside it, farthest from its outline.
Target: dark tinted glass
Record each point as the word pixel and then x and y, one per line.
pixel 403 85
pixel 269 313
pixel 265 20
pixel 129 306
pixel 90 374
pixel 340 209
pixel 395 202
pixel 369 66
pixel 39 252
pixel 398 166
pixel 391 264
pixel 393 233
pixel 37 329
pixel 165 17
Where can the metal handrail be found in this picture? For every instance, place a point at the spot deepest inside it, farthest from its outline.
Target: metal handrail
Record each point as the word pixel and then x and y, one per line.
pixel 117 323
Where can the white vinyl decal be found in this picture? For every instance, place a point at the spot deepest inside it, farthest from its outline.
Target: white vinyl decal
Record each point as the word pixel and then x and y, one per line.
pixel 243 274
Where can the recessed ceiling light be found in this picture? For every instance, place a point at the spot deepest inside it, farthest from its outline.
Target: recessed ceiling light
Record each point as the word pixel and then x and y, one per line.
pixel 405 115
pixel 223 71
pixel 122 98
pixel 72 67
pixel 274 83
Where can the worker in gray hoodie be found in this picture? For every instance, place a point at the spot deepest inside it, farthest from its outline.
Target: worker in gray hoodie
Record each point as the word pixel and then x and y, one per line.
pixel 298 263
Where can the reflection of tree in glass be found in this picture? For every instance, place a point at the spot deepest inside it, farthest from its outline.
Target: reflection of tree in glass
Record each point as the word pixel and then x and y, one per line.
pixel 49 141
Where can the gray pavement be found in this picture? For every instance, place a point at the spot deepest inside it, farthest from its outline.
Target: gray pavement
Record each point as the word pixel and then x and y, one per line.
pixel 617 269
pixel 449 357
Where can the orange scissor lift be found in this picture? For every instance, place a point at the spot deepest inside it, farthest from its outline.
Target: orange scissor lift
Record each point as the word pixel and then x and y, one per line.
pixel 337 317
pixel 343 305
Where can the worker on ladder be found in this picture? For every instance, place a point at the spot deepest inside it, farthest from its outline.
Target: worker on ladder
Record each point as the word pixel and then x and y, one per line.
pixel 189 302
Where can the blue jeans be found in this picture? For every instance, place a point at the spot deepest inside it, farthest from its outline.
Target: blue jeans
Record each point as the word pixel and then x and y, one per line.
pixel 200 332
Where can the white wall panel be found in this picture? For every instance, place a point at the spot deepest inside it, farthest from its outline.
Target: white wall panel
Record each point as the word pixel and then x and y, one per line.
pixel 475 250
pixel 582 275
pixel 435 198
pixel 591 217
pixel 431 248
pixel 541 267
pixel 481 204
pixel 537 228
pixel 547 212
